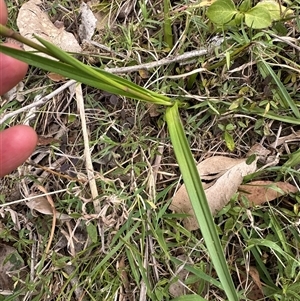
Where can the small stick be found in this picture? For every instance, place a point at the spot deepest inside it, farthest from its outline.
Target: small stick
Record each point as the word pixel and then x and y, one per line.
pixel 162 62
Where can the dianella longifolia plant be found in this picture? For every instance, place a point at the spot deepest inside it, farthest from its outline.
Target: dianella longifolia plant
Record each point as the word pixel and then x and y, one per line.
pixel 66 65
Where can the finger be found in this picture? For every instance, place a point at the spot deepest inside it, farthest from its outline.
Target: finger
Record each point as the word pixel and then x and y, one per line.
pixel 12 71
pixel 3 12
pixel 16 145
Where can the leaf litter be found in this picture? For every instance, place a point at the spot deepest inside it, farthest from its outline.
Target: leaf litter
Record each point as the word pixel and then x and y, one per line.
pixel 41 204
pixel 32 21
pixel 222 177
pixel 209 180
pixel 259 192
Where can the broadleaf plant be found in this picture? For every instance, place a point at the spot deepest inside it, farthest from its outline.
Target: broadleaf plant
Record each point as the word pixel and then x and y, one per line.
pixel 74 69
pixel 224 12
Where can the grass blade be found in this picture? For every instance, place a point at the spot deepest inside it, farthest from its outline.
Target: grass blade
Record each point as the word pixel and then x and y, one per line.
pixel 198 199
pixel 281 91
pixel 189 298
pixel 94 77
pixel 108 78
pixel 271 115
pixel 196 271
pixel 168 36
pixel 58 67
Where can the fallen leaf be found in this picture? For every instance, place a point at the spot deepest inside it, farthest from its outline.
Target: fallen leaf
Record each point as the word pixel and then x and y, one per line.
pixel 213 168
pixel 32 20
pixel 42 205
pixel 88 22
pixel 253 272
pixel 55 77
pixel 221 177
pixel 104 18
pixel 123 274
pixel 260 151
pixel 259 192
pixel 153 110
pixel 42 140
pixel 144 74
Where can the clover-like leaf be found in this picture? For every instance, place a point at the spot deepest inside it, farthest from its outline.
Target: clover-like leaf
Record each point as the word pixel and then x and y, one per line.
pixel 275 10
pixel 258 17
pixel 221 11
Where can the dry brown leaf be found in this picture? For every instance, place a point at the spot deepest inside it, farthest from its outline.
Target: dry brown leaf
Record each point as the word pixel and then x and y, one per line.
pixel 221 177
pixel 42 140
pixel 123 275
pixel 259 192
pixel 213 168
pixel 256 292
pixel 14 94
pixel 55 77
pixel 32 20
pixel 153 110
pixel 144 74
pixel 42 205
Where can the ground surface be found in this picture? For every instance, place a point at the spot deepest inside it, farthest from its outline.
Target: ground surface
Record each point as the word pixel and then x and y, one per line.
pixel 130 250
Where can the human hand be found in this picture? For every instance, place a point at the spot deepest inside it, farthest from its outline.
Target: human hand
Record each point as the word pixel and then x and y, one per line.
pixel 18 142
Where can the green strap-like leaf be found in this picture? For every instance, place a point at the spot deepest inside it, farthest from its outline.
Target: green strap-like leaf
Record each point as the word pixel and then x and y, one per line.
pixel 89 76
pixel 266 70
pixel 189 298
pixel 198 199
pixel 58 67
pixel 123 85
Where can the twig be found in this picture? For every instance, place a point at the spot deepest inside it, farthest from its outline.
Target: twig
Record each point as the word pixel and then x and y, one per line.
pixel 39 102
pixel 162 62
pixel 87 155
pixel 143 287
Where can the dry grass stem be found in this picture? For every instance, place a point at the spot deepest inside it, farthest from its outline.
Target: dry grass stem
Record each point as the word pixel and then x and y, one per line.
pixel 38 101
pixel 31 197
pixel 87 154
